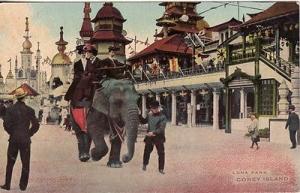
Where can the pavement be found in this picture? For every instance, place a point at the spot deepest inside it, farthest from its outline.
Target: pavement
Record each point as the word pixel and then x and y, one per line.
pixel 198 160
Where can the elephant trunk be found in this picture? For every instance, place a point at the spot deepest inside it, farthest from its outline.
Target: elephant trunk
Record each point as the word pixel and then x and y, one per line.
pixel 131 132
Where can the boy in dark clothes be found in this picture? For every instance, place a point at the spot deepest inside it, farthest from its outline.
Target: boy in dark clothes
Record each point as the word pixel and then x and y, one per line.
pixel 155 135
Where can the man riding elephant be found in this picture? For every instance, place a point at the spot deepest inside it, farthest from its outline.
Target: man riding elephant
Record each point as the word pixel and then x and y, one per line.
pixel 114 110
pixel 80 95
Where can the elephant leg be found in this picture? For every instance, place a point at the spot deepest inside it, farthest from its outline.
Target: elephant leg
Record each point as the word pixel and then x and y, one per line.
pixel 86 143
pixel 96 129
pixel 114 155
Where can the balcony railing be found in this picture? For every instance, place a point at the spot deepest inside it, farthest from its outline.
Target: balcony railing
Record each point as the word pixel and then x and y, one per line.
pixel 182 73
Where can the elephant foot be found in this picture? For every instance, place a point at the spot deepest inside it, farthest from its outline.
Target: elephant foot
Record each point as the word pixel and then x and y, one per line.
pixel 84 157
pixel 114 164
pixel 126 158
pixel 97 155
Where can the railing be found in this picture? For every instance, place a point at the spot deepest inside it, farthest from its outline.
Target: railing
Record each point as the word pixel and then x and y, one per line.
pixel 182 73
pixel 282 66
pixel 240 55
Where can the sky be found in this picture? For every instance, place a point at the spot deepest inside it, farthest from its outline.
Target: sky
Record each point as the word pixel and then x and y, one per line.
pixel 46 18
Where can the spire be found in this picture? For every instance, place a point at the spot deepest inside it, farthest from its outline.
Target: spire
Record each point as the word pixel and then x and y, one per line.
pixel 38 56
pixel 61 44
pixel 10 74
pixel 16 63
pixel 26 44
pixel 1 77
pixel 86 31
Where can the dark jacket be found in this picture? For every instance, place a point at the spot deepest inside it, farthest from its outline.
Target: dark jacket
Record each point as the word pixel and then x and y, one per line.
pixel 293 122
pixel 83 81
pixel 156 123
pixel 17 121
pixel 115 69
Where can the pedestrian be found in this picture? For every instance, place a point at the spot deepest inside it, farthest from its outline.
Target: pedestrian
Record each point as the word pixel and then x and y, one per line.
pixel 20 123
pixel 155 135
pixel 2 109
pixel 293 124
pixel 253 130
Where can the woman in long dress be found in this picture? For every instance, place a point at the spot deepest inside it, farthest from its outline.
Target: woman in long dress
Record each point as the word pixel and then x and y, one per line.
pixel 253 130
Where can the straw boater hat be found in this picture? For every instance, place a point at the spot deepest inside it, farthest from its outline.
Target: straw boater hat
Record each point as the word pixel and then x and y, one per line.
pixel 113 48
pixel 90 48
pixel 20 93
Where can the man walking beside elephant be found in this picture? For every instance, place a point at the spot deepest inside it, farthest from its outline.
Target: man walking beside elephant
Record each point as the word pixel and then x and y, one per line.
pixel 155 136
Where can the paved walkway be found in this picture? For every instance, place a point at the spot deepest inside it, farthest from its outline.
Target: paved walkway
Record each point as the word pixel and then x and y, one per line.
pixel 197 160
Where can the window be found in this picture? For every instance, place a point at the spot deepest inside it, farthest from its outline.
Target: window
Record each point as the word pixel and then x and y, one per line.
pixel 222 37
pixel 226 35
pixel 268 97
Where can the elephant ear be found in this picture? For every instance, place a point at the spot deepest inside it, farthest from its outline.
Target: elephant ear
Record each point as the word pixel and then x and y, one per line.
pixel 100 102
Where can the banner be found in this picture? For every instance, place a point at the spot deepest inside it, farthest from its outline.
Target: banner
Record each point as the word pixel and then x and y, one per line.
pixel 174 67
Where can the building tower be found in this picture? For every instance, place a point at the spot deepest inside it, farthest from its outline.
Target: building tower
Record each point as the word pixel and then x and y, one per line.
pixel 38 58
pixel 10 81
pixel 26 54
pixel 1 82
pixel 108 30
pixel 86 32
pixel 183 14
pixel 60 64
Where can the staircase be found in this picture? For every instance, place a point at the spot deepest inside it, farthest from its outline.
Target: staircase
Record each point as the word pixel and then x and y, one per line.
pixel 282 67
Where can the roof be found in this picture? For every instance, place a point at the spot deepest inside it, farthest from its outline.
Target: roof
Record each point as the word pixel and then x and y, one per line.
pixel 279 9
pixel 30 91
pixel 86 28
pixel 108 11
pixel 179 28
pixel 108 35
pixel 175 10
pixel 225 25
pixel 61 58
pixel 165 3
pixel 172 44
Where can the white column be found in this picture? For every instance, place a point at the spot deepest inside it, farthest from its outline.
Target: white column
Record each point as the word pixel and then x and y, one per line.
pixel 157 97
pixel 144 108
pixel 246 105
pixel 296 88
pixel 189 115
pixel 173 120
pixel 193 107
pixel 242 103
pixel 216 96
pixel 283 104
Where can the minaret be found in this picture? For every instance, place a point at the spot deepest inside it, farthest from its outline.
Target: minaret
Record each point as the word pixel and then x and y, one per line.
pixel 86 32
pixel 38 58
pixel 26 54
pixel 1 77
pixel 1 82
pixel 9 74
pixel 16 67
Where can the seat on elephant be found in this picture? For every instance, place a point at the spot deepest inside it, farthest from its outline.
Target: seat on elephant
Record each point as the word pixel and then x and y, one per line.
pixel 111 90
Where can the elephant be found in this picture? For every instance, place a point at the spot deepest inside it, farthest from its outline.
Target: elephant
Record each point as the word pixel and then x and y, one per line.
pixel 114 105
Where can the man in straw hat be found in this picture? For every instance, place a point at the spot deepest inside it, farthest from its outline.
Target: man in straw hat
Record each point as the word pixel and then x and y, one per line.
pixel 293 125
pixel 21 124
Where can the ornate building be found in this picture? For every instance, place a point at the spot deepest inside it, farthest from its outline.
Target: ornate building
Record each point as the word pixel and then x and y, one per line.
pixel 239 72
pixel 108 30
pixel 27 72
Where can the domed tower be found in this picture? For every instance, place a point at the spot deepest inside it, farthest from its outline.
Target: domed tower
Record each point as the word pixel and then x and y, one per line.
pixel 26 54
pixel 108 30
pixel 60 64
pixel 86 32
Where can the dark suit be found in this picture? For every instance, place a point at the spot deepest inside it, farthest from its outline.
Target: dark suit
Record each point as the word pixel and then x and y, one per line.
pixel 293 124
pixel 82 85
pixel 17 121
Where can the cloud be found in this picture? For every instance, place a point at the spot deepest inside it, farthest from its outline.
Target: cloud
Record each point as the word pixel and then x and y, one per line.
pixel 12 27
